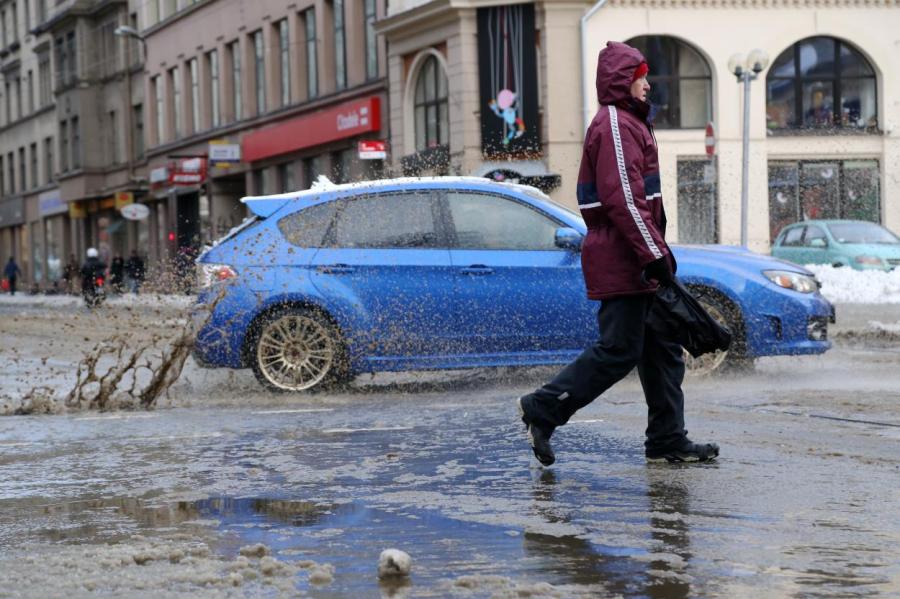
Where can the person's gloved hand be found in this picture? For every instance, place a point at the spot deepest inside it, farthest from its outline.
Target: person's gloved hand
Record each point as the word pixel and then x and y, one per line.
pixel 659 271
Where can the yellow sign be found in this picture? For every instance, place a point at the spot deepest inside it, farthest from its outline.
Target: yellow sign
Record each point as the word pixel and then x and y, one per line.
pixel 77 210
pixel 123 198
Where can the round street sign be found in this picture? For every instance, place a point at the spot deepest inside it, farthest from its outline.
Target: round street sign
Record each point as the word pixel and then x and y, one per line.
pixel 135 211
pixel 710 140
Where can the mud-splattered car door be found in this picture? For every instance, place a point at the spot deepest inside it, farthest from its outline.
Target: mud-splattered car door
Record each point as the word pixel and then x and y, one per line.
pixel 385 272
pixel 516 290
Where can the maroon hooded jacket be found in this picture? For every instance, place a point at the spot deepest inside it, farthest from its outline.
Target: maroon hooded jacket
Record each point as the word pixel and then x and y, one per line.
pixel 618 184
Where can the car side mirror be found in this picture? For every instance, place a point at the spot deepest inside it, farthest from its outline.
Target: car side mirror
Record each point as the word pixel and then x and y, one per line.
pixel 818 242
pixel 568 238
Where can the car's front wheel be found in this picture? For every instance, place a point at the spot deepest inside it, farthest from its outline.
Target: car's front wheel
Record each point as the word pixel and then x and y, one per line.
pixel 725 314
pixel 297 349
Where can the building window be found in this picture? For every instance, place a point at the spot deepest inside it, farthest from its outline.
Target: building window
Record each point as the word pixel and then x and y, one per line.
pixel 832 189
pixel 212 60
pixel 11 166
pixel 72 64
pixel 284 61
pixel 175 86
pixel 259 71
pixel 312 71
pixel 41 11
pixel 45 93
pixel 76 143
pixel 158 100
pixel 821 83
pixel 15 22
pixel 340 46
pixel 23 170
pixel 697 201
pixel 113 138
pixel 371 40
pixel 108 48
pixel 35 174
pixel 680 83
pixel 311 170
pixel 48 160
pixel 195 95
pixel 431 106
pixel 234 52
pixel 137 138
pixel 63 146
pixel 30 91
pixel 19 107
pixel 7 87
pixel 286 180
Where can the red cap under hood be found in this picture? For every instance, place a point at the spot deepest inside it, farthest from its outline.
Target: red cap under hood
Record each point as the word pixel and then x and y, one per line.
pixel 615 72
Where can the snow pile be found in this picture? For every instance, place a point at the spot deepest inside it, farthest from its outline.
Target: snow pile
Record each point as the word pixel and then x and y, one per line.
pixel 847 286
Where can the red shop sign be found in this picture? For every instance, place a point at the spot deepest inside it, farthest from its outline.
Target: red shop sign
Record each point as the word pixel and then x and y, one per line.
pixel 330 124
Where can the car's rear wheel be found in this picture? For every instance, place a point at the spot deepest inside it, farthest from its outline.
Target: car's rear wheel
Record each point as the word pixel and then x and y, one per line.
pixel 725 314
pixel 297 349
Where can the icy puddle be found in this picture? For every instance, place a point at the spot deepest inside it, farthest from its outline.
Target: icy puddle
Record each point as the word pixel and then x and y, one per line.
pixel 331 550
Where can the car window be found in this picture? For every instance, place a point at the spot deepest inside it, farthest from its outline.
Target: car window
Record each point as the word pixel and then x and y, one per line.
pixel 306 228
pixel 793 237
pixel 389 220
pixel 862 233
pixel 491 222
pixel 813 232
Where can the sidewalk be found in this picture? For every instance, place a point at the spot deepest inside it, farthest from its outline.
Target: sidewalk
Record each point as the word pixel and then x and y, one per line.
pixel 149 300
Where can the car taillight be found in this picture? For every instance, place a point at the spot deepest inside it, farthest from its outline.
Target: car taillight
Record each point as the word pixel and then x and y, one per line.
pixel 99 281
pixel 210 274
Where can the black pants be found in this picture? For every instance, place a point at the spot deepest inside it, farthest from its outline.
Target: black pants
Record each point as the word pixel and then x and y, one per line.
pixel 12 285
pixel 624 342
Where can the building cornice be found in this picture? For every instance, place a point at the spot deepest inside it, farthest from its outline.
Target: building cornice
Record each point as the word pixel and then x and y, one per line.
pixel 425 16
pixel 753 4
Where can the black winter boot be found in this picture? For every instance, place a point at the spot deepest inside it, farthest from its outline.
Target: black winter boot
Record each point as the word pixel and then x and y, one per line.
pixel 538 437
pixel 687 451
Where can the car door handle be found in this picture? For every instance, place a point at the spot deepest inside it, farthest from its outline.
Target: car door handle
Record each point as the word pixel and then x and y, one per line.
pixel 477 270
pixel 335 269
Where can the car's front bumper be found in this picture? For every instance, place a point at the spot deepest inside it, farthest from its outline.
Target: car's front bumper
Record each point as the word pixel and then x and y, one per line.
pixel 784 322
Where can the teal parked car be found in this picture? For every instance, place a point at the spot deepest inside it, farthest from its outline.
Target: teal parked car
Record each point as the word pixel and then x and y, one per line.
pixel 859 244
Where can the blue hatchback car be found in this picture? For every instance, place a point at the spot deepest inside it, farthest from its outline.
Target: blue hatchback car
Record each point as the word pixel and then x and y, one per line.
pixel 410 274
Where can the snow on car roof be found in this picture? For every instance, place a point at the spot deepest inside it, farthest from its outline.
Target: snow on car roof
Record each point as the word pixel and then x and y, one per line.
pixel 323 184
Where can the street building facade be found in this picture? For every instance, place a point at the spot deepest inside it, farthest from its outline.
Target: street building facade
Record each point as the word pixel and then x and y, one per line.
pixel 254 101
pixel 823 114
pixel 486 89
pixel 70 147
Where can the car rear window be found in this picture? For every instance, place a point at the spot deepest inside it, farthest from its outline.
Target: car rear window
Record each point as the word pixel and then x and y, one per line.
pixel 307 228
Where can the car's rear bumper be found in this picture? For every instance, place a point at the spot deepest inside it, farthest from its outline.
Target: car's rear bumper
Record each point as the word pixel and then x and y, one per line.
pixel 220 334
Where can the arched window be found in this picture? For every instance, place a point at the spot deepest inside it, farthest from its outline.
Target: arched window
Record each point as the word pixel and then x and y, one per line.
pixel 431 115
pixel 680 82
pixel 821 83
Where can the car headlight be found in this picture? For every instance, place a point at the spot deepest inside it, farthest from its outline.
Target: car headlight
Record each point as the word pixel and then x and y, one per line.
pixel 209 274
pixel 792 280
pixel 869 260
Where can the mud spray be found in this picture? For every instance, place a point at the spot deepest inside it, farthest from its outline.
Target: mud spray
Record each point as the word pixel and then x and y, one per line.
pixel 116 375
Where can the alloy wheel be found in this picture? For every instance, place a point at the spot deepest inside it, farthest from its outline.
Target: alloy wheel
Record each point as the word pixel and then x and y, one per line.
pixel 295 352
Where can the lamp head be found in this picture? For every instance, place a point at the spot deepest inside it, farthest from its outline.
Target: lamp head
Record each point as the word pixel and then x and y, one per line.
pixel 758 60
pixel 736 64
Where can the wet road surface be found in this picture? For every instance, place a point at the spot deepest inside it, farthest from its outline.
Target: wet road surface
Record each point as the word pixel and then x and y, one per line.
pixel 173 502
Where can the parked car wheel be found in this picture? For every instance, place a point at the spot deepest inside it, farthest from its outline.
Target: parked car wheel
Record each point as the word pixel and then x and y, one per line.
pixel 297 349
pixel 727 315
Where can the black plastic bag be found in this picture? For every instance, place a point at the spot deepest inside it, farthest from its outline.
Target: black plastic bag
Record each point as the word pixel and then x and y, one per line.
pixel 676 315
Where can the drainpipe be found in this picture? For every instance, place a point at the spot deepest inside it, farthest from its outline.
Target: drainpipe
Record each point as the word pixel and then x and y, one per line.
pixel 586 103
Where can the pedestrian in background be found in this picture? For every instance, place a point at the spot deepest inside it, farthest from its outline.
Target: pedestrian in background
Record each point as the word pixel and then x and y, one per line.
pixel 134 268
pixel 624 258
pixel 12 272
pixel 70 273
pixel 117 274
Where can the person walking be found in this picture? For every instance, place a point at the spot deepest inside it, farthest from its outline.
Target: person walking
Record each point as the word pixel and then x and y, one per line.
pixel 134 268
pixel 12 272
pixel 117 274
pixel 624 258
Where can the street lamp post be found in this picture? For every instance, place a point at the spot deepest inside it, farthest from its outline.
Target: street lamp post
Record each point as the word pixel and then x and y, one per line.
pixel 746 70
